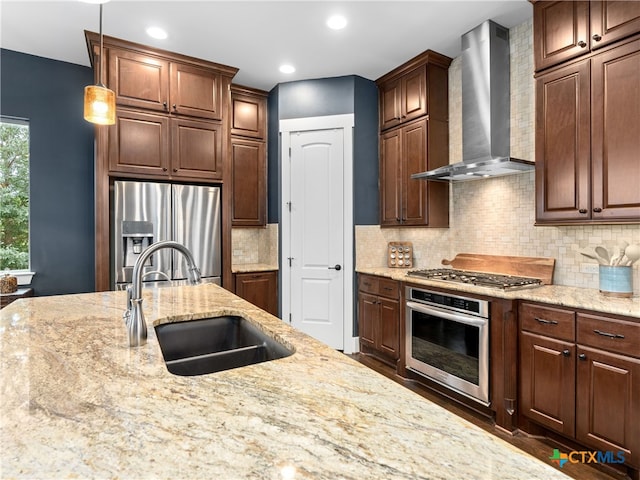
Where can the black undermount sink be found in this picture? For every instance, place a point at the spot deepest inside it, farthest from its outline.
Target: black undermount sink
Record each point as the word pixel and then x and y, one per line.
pixel 197 347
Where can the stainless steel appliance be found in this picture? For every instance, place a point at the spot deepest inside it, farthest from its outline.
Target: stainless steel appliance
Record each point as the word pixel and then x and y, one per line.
pixel 492 280
pixel 144 213
pixel 447 341
pixel 486 109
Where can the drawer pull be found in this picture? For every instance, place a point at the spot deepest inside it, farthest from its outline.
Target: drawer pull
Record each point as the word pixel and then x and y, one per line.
pixel 609 335
pixel 582 356
pixel 388 289
pixel 546 322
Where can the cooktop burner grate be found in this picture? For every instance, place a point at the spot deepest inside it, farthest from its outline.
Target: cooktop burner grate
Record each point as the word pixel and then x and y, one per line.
pixel 492 280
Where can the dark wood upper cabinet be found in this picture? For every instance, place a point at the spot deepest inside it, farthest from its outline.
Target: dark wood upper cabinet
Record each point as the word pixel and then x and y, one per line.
pixel 414 126
pixel 612 21
pixel 249 177
pixel 248 113
pixel 588 138
pixel 561 32
pixel 248 156
pixel 565 30
pixel 138 79
pixel 196 149
pixel 195 91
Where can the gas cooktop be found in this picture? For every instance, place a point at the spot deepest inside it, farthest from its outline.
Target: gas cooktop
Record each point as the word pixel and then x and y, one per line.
pixel 492 280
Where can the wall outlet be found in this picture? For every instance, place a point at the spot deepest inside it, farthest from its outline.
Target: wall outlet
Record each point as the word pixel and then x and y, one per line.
pixel 589 268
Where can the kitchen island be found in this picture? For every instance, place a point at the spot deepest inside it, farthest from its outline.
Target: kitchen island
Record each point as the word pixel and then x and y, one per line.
pixel 77 402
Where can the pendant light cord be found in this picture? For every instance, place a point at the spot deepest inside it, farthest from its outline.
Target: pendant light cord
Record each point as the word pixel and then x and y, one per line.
pixel 100 66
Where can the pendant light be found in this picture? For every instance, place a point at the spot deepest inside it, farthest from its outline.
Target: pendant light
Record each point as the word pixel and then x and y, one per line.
pixel 99 101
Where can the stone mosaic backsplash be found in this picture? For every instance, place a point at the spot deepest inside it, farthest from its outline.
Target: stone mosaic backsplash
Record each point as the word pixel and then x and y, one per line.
pixel 255 245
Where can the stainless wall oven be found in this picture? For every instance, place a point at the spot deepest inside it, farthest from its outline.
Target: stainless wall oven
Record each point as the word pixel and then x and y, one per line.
pixel 447 340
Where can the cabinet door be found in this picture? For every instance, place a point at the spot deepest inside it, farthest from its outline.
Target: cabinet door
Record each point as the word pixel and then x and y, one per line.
pixel 261 289
pixel 390 104
pixel 389 338
pixel 139 143
pixel 390 175
pixel 608 402
pixel 195 91
pixel 248 176
pixel 414 94
pixel 547 381
pixel 615 110
pixel 561 32
pixel 196 149
pixel 613 20
pixel 414 158
pixel 139 80
pixel 368 319
pixel 248 116
pixel 562 144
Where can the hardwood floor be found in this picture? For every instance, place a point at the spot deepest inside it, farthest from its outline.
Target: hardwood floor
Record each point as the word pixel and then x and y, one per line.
pixel 539 448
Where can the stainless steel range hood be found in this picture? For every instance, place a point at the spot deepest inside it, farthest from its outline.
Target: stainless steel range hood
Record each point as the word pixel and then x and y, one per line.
pixel 486 109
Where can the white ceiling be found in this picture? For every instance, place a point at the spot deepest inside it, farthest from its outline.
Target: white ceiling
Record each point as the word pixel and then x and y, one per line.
pixel 257 36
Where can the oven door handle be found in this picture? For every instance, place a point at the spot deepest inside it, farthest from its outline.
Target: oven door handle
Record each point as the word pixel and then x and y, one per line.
pixel 438 312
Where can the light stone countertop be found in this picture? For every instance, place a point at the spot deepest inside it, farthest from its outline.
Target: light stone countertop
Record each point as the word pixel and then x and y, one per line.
pixel 77 402
pixel 572 297
pixel 253 267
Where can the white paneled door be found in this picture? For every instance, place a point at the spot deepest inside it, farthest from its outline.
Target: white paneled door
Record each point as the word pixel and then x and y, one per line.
pixel 316 216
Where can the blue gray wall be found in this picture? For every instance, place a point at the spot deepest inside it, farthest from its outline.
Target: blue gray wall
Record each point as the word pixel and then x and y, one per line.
pixel 322 97
pixel 49 94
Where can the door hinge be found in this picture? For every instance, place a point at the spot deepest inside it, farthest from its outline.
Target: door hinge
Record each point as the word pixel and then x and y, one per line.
pixel 290 318
pixel 289 153
pixel 288 204
pixel 290 260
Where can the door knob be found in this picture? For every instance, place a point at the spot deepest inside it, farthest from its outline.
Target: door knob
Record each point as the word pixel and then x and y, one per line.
pixel 337 267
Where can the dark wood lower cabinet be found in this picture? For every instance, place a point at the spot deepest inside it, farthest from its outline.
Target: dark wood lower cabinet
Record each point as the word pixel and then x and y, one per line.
pixel 379 317
pixel 547 381
pixel 259 288
pixel 581 378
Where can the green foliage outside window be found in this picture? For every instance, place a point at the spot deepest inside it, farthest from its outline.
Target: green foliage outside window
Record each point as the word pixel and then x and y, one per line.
pixel 14 196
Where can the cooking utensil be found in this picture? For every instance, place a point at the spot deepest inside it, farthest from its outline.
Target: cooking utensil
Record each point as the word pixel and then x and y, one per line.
pixel 594 257
pixel 632 252
pixel 619 258
pixel 602 253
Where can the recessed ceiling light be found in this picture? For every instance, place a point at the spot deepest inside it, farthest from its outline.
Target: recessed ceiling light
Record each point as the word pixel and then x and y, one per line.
pixel 287 68
pixel 157 32
pixel 337 22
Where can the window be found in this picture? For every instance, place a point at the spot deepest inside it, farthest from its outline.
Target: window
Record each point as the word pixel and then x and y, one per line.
pixel 14 194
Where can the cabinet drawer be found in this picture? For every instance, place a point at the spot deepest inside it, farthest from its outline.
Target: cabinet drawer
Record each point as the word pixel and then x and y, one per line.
pixel 369 284
pixel 552 322
pixel 617 336
pixel 388 288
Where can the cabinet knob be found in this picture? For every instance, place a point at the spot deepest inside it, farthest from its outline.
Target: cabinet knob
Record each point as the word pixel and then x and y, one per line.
pixel 175 108
pixel 398 219
pixel 583 210
pixel 175 170
pixel 164 104
pixel 566 353
pixel 582 356
pixel 582 44
pixel 596 37
pixel 164 169
pixel 597 209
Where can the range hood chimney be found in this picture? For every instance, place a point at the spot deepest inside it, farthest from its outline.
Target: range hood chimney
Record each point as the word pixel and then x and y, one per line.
pixel 486 109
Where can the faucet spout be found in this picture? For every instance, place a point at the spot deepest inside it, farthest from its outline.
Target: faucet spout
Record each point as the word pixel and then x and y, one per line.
pixel 133 315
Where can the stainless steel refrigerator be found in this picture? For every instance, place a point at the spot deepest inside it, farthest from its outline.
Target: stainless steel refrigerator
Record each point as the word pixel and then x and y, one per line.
pixel 143 213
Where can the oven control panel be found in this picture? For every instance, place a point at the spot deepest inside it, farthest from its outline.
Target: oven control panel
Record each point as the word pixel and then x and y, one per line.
pixel 452 302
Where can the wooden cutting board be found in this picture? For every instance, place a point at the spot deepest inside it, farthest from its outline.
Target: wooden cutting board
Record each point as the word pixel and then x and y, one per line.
pixel 535 267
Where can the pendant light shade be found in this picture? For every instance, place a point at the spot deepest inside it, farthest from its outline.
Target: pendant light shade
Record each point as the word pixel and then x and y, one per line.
pixel 99 105
pixel 99 101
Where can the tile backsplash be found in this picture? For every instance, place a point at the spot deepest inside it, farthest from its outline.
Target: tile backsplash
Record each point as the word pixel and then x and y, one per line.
pixel 255 245
pixel 497 215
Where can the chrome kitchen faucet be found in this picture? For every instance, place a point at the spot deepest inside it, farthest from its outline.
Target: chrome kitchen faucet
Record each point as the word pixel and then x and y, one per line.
pixel 133 315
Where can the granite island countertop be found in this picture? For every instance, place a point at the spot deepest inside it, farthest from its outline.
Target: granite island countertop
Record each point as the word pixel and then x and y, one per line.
pixel 77 402
pixel 560 295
